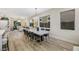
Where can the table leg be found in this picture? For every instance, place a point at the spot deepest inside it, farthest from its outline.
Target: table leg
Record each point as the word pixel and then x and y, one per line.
pixel 42 38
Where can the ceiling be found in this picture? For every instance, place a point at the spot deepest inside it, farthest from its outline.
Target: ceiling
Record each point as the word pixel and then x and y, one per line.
pixel 21 11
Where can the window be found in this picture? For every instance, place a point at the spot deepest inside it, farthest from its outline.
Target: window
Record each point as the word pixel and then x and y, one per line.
pixel 45 22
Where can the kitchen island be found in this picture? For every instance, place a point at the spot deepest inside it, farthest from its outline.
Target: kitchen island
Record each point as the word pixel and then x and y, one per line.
pixel 1 35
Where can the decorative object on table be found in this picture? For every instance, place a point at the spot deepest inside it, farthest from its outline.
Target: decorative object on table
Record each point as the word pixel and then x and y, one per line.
pixel 67 19
pixel 37 28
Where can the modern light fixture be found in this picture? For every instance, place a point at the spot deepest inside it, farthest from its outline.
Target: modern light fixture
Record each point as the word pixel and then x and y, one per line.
pixel 35 11
pixel 33 20
pixel 36 21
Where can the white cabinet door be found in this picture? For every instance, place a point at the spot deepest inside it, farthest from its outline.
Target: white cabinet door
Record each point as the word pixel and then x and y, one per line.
pixel 3 24
pixel 0 43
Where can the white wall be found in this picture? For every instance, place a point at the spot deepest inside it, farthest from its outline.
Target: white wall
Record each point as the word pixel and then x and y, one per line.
pixel 0 43
pixel 66 35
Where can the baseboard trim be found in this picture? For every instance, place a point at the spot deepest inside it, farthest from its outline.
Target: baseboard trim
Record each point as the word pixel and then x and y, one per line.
pixel 63 39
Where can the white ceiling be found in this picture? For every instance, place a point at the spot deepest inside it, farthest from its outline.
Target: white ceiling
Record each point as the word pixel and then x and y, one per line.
pixel 21 11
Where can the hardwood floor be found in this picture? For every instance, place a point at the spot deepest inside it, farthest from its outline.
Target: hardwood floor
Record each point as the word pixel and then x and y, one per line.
pixel 17 41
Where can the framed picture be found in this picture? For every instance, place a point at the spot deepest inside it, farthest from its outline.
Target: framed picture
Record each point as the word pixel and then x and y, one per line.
pixel 67 19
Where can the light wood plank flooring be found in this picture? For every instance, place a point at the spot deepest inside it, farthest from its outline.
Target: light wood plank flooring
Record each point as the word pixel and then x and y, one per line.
pixel 17 41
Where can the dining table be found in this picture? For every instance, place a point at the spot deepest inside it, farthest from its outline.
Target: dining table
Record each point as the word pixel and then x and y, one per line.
pixel 40 33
